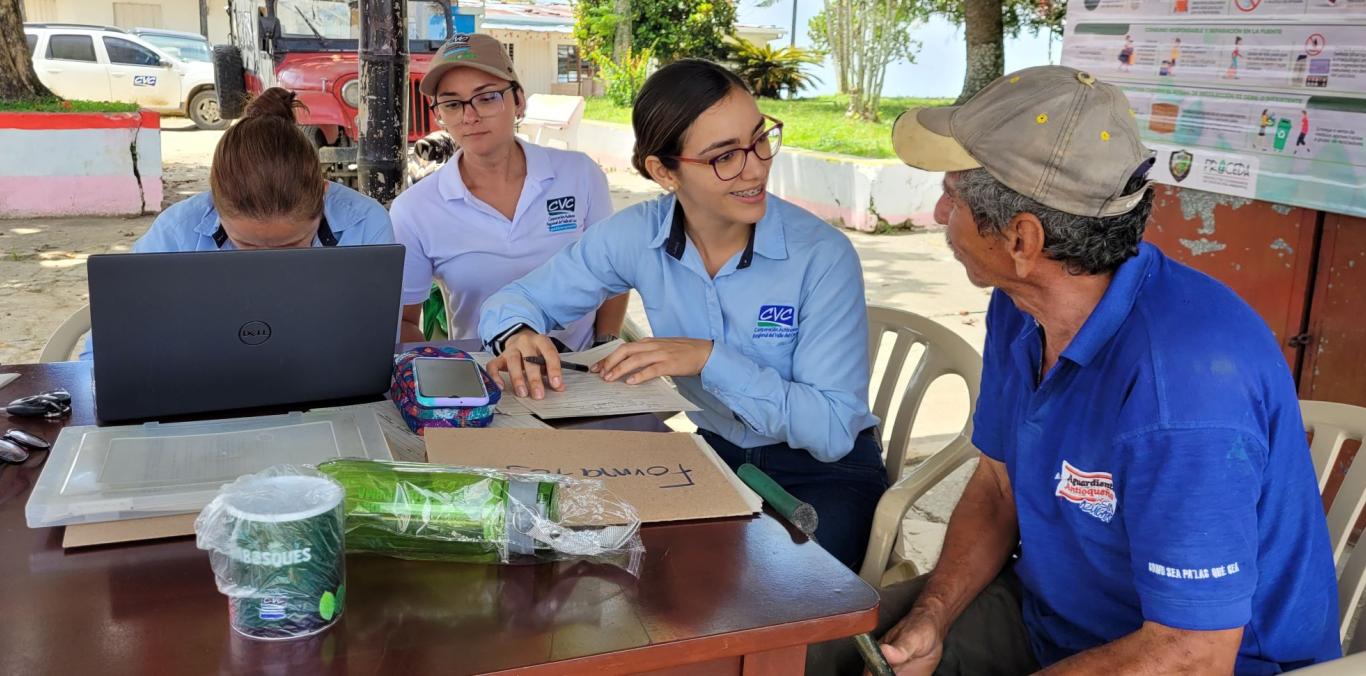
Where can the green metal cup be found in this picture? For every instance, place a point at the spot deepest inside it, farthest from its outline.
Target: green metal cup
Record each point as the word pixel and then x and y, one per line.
pixel 287 559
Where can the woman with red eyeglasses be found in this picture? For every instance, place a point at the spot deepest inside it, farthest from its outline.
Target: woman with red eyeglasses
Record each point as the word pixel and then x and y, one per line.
pixel 759 303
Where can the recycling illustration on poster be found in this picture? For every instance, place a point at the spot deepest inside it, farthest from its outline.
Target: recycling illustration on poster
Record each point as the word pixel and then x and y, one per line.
pixel 1262 99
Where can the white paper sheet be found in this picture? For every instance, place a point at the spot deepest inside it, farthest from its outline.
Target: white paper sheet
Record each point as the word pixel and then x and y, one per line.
pixel 587 394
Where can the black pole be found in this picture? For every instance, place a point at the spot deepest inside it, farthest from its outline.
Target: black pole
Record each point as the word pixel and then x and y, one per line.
pixel 204 18
pixel 382 153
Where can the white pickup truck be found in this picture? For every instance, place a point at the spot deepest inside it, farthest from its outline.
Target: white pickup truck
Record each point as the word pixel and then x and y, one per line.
pixel 101 63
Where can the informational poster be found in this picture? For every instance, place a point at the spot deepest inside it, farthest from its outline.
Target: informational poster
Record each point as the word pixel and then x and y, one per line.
pixel 1202 10
pixel 1262 99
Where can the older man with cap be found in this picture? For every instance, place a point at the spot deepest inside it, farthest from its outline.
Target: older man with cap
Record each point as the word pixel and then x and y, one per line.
pixel 1144 501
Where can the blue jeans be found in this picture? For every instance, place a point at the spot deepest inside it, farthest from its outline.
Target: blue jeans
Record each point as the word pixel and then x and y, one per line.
pixel 844 493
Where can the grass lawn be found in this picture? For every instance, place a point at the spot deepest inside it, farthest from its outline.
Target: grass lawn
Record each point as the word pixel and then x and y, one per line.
pixel 60 106
pixel 813 124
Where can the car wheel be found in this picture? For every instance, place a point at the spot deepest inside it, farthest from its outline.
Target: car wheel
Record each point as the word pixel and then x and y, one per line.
pixel 204 110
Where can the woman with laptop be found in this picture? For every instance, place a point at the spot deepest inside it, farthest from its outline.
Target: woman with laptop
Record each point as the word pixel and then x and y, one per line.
pixel 759 303
pixel 501 206
pixel 266 191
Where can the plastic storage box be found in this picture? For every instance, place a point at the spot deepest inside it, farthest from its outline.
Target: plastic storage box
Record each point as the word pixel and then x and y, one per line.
pixel 97 474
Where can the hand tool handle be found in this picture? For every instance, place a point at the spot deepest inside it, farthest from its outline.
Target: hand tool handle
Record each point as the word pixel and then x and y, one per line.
pixel 798 513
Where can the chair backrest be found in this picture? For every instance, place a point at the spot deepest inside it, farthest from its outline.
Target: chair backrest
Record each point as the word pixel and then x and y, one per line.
pixel 1332 426
pixel 554 116
pixel 945 353
pixel 64 340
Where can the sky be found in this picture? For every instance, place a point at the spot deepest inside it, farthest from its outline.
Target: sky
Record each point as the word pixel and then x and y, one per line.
pixel 940 63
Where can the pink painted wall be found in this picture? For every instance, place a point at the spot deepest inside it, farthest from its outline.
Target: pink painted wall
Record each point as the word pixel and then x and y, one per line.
pixel 79 164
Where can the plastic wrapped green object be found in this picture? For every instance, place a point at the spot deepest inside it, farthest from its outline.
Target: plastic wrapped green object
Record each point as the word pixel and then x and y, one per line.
pixel 275 545
pixel 447 513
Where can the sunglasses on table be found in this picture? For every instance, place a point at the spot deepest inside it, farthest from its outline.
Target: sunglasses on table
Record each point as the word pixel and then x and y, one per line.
pixel 17 445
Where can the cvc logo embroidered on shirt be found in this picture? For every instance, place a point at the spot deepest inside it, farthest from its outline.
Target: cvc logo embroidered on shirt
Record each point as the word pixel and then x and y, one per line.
pixel 776 321
pixel 559 214
pixel 1093 492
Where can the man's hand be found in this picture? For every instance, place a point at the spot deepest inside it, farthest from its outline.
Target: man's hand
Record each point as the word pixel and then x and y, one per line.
pixel 526 377
pixel 654 357
pixel 914 646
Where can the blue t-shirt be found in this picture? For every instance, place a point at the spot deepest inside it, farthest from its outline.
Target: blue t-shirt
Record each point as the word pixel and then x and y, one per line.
pixel 1161 473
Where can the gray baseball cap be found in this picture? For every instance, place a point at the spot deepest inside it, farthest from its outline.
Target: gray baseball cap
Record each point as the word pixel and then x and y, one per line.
pixel 468 50
pixel 1054 134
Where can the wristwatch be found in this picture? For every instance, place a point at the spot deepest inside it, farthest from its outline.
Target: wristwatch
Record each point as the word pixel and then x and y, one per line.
pixel 603 339
pixel 497 342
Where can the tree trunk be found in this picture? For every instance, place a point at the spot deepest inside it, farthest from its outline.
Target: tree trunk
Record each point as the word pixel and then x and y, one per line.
pixel 982 20
pixel 621 46
pixel 836 35
pixel 17 79
pixel 855 48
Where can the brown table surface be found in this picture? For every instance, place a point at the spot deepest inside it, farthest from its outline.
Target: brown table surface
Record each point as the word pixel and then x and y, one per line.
pixel 707 591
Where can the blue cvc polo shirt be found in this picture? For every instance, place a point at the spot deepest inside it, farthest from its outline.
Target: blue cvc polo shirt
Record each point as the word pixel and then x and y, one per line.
pixel 1160 473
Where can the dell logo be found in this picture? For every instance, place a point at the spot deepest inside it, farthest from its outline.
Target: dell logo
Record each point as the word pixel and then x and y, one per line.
pixel 254 333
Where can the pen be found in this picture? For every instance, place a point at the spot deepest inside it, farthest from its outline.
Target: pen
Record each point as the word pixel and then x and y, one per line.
pixel 564 364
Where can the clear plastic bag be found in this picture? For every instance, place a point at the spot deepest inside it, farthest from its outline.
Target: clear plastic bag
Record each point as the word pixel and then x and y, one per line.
pixel 276 544
pixel 448 513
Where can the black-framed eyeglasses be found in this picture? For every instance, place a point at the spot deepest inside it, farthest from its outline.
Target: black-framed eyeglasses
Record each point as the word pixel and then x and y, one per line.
pixel 484 104
pixel 731 164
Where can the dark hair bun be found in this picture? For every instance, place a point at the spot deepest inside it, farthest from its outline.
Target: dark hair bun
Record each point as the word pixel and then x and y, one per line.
pixel 274 102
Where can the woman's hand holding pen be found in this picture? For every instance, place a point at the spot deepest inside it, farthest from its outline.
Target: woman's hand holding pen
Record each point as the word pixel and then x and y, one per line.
pixel 529 376
pixel 531 361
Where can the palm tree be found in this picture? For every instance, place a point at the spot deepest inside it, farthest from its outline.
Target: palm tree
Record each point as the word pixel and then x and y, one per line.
pixel 769 71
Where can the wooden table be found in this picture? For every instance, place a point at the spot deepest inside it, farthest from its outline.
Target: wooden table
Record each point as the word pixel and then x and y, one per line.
pixel 735 596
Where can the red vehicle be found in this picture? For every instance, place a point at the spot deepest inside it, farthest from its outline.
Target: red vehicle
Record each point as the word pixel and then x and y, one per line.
pixel 310 47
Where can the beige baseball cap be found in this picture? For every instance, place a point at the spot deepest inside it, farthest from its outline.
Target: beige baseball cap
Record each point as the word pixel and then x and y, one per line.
pixel 468 50
pixel 1051 133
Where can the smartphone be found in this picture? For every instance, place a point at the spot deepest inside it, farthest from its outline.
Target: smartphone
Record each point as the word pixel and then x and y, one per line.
pixel 449 382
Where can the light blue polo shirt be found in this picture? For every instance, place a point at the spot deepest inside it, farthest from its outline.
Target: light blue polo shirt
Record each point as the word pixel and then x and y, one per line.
pixel 475 250
pixel 192 225
pixel 790 358
pixel 1160 473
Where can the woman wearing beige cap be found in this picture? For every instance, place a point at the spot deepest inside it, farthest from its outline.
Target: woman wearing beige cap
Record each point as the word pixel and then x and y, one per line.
pixel 501 206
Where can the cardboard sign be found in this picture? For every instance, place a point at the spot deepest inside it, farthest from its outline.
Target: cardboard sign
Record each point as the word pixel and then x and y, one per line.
pixel 666 477
pixel 129 530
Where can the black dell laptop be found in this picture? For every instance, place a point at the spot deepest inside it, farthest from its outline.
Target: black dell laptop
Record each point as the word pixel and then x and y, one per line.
pixel 186 333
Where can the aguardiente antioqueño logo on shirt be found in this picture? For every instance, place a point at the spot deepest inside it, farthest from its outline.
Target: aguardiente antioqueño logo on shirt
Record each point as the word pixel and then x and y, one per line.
pixel 559 214
pixel 1092 492
pixel 776 321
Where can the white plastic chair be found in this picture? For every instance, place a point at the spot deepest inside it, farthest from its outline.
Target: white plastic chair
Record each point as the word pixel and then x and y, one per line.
pixel 64 340
pixel 1332 425
pixel 553 117
pixel 946 353
pixel 1351 665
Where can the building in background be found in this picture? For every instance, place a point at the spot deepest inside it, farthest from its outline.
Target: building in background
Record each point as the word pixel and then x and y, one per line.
pixel 206 17
pixel 540 38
